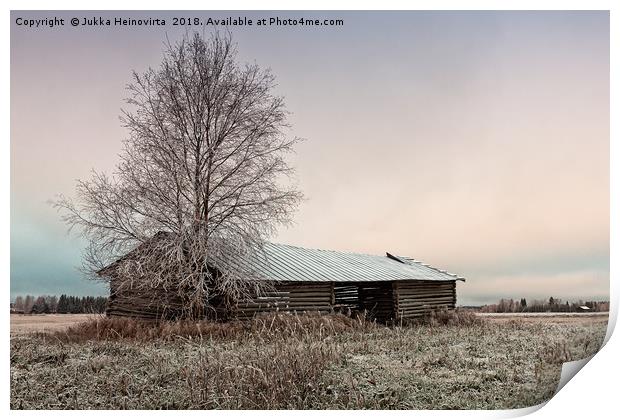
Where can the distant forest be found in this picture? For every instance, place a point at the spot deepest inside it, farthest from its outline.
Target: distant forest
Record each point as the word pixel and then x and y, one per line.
pixel 59 305
pixel 97 304
pixel 551 305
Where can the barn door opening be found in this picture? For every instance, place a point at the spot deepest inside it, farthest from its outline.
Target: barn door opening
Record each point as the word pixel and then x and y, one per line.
pixel 375 299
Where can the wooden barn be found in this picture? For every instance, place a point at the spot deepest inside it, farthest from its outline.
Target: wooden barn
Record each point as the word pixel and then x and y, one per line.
pixel 387 287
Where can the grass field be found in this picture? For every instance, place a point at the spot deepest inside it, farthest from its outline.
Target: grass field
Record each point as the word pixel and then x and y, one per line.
pixel 298 362
pixel 25 324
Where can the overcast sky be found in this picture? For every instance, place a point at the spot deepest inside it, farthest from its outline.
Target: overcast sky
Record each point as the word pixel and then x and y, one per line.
pixel 475 141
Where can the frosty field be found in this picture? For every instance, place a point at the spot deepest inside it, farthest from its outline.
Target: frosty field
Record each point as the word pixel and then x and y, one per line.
pixel 305 362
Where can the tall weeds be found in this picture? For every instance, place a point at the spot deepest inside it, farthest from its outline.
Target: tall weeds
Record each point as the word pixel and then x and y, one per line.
pixel 263 328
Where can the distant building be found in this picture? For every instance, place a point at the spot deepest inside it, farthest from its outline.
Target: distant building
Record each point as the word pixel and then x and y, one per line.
pixel 15 310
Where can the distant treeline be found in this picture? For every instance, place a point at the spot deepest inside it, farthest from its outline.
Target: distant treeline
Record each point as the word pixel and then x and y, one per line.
pixel 551 305
pixel 59 305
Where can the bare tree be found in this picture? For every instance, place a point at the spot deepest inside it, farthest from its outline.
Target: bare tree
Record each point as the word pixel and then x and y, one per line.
pixel 203 171
pixel 28 303
pixel 19 303
pixel 52 303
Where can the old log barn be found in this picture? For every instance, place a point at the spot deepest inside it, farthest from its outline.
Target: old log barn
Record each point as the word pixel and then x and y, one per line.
pixel 387 287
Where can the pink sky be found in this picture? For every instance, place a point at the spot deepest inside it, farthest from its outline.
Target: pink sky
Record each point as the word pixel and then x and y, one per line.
pixel 478 142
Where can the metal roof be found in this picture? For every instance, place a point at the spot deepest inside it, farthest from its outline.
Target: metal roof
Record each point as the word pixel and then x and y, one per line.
pixel 281 262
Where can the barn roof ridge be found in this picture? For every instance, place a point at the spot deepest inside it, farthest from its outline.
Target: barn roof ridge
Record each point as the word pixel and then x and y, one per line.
pixel 322 249
pixel 413 260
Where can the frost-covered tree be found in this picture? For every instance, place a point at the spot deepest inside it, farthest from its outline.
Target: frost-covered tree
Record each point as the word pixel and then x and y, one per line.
pixel 203 170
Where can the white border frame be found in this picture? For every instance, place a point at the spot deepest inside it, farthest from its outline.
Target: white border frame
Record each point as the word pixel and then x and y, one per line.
pixel 591 394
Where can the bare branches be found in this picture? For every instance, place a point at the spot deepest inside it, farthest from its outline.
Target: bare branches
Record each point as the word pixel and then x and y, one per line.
pixel 204 162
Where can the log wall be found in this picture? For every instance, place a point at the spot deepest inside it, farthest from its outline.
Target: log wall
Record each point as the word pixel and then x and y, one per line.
pixel 289 297
pixel 149 304
pixel 383 301
pixel 346 295
pixel 416 298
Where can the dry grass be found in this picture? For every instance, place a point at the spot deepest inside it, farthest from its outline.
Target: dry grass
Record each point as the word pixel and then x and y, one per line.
pixel 456 318
pixel 288 361
pixel 260 328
